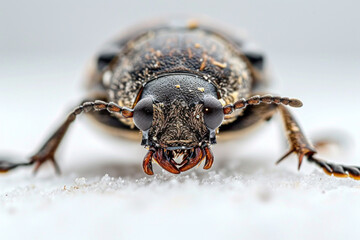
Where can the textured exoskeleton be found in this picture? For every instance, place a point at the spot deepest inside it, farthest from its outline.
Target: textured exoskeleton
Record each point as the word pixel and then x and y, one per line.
pixel 182 84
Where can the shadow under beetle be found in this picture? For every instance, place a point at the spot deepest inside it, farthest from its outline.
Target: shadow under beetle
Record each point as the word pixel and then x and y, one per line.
pixel 182 85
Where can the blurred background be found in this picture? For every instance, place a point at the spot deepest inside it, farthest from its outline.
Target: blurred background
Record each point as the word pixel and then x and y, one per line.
pixel 313 52
pixel 312 48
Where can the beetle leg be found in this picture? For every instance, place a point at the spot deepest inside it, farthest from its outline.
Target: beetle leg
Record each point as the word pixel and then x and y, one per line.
pixel 336 169
pixel 298 142
pixel 6 166
pixel 302 147
pixel 47 151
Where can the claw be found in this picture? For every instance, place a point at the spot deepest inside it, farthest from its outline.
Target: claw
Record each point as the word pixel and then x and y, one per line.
pixel 56 166
pixel 147 164
pixel 285 156
pixel 305 152
pixel 6 166
pixel 209 158
pixel 301 157
pixel 39 160
pixel 165 162
pixel 194 160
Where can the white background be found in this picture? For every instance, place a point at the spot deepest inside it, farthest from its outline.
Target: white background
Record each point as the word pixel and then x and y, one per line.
pixel 314 53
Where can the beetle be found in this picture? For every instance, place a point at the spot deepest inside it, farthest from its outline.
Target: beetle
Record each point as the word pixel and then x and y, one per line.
pixel 181 85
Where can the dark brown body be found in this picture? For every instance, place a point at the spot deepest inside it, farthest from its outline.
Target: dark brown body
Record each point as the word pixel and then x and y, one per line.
pixel 182 85
pixel 127 64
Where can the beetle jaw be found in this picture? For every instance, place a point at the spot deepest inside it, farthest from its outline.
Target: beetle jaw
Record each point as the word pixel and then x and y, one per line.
pixel 189 159
pixel 177 156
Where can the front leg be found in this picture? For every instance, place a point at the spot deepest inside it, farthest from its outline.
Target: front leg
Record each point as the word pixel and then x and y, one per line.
pixel 47 151
pixel 303 148
pixel 297 140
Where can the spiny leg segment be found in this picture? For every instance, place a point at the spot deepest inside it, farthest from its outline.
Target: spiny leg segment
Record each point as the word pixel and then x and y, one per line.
pixel 47 151
pixel 297 140
pixel 302 147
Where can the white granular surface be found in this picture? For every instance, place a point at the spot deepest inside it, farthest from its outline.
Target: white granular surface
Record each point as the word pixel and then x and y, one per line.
pixel 241 200
pixel 104 194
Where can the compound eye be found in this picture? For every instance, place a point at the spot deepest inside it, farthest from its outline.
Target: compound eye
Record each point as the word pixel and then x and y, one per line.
pixel 143 114
pixel 213 112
